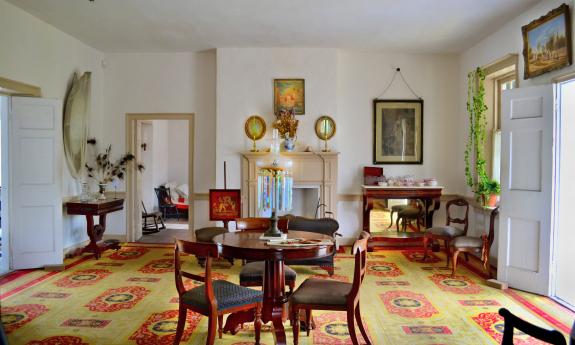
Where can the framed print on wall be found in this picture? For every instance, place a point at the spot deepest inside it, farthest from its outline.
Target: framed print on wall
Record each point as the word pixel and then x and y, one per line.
pixel 547 42
pixel 289 94
pixel 397 131
pixel 225 204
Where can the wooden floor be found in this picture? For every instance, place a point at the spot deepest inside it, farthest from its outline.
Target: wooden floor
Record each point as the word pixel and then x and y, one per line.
pixel 173 229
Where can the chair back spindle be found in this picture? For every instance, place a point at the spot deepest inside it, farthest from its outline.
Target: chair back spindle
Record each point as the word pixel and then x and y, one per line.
pixel 259 224
pixel 465 220
pixel 511 322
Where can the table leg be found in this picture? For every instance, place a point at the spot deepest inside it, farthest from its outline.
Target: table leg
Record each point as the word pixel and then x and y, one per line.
pixel 367 207
pixel 429 215
pixel 273 303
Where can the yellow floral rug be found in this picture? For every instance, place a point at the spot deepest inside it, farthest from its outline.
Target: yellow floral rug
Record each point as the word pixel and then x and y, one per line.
pixel 129 297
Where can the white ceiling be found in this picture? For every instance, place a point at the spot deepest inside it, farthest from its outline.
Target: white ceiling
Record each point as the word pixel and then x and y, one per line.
pixel 422 26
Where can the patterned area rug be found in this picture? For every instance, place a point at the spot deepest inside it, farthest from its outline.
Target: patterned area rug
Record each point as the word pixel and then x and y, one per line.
pixel 129 297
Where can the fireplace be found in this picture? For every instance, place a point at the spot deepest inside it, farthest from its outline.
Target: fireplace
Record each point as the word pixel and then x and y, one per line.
pixel 314 177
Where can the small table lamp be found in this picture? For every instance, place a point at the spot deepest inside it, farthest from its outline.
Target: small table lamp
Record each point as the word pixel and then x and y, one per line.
pixel 275 188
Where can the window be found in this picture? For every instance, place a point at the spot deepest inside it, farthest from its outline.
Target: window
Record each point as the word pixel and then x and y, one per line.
pixel 506 82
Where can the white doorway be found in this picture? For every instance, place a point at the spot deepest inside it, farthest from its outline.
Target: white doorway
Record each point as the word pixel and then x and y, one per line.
pixel 564 270
pixel 163 143
pixel 4 239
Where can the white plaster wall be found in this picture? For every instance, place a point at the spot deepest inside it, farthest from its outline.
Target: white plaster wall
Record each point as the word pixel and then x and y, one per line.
pixel 342 84
pixel 164 83
pixel 506 40
pixel 178 151
pixel 36 53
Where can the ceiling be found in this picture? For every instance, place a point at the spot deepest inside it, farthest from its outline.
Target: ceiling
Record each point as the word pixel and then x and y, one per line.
pixel 417 26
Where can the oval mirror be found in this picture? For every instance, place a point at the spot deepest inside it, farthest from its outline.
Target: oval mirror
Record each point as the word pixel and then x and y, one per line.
pixel 74 126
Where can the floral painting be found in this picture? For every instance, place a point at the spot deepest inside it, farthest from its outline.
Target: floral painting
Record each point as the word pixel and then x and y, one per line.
pixel 289 94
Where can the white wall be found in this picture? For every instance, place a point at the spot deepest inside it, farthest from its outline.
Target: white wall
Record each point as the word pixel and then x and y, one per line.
pixel 36 53
pixel 508 39
pixel 342 84
pixel 178 151
pixel 164 83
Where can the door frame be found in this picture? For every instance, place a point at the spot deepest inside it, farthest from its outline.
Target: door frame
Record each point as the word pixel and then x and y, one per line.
pixel 6 261
pixel 133 198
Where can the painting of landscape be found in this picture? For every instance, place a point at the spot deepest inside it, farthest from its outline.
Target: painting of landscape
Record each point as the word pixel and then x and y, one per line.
pixel 547 43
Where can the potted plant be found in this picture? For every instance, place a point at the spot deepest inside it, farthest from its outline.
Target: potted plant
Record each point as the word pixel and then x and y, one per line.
pixel 489 190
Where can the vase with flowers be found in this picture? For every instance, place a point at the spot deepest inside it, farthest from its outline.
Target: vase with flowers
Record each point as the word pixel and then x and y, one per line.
pixel 103 170
pixel 286 124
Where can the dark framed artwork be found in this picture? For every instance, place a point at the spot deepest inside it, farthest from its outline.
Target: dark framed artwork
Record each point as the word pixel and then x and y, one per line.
pixel 547 42
pixel 397 131
pixel 225 204
pixel 289 94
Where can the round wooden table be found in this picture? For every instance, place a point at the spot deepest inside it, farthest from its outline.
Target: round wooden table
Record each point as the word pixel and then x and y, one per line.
pixel 247 245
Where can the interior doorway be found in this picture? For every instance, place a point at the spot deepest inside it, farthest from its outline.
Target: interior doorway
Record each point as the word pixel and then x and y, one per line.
pixel 4 240
pixel 160 198
pixel 564 275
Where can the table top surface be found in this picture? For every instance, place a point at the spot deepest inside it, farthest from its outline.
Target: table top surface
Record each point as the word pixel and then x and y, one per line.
pixel 247 245
pixel 95 202
pixel 401 187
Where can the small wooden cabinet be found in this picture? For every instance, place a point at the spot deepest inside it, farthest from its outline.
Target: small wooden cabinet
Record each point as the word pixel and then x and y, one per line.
pixel 90 209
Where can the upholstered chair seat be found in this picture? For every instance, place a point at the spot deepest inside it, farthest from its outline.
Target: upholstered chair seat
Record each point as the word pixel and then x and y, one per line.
pixel 445 230
pixel 322 292
pixel 466 242
pixel 228 295
pixel 207 234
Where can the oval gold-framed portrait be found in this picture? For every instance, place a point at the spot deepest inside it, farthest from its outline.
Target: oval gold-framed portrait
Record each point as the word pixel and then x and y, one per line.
pixel 255 127
pixel 325 127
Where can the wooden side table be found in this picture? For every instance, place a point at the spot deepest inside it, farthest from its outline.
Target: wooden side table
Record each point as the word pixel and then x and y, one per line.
pixel 95 231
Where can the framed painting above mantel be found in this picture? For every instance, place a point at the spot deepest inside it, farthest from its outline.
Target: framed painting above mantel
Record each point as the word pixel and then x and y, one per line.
pixel 397 131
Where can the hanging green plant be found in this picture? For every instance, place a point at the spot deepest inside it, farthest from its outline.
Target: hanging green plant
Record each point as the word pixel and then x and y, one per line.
pixel 476 174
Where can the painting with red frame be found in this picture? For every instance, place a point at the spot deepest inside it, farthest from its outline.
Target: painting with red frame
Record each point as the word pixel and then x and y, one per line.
pixel 225 204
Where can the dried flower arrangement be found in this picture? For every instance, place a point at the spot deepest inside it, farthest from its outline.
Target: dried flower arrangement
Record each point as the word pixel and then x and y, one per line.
pixel 286 123
pixel 104 171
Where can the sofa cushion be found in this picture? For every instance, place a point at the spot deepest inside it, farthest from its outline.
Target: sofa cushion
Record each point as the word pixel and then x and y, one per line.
pixel 254 272
pixel 322 292
pixel 326 226
pixel 227 294
pixel 207 234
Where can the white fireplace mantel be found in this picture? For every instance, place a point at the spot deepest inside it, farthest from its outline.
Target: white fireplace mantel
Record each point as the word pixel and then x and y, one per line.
pixel 310 169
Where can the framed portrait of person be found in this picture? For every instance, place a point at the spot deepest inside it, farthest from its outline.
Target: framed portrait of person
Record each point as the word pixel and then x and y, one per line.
pixel 397 131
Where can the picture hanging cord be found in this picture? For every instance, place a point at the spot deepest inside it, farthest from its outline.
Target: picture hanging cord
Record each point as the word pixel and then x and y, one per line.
pixel 398 71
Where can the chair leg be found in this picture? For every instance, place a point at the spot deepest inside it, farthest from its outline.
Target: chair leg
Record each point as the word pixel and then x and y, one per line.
pixel 291 286
pixel 466 256
pixel 425 243
pixel 447 243
pixel 391 218
pixel 212 325
pixel 360 324
pixel 397 223
pixel 258 323
pixel 351 327
pixel 295 316
pixel 455 255
pixel 182 313
pixel 162 222
pixel 308 320
pixel 220 325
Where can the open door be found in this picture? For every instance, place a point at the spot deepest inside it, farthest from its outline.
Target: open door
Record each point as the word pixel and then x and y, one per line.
pixel 35 146
pixel 526 188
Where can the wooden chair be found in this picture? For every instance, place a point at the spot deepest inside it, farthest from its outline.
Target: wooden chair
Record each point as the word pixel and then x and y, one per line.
pixel 468 244
pixel 408 214
pixel 323 294
pixel 447 233
pixel 252 273
pixel 214 298
pixel 511 322
pixel 395 209
pixel 165 203
pixel 147 226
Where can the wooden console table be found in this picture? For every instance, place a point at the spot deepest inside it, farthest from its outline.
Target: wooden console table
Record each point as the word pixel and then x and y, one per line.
pixel 429 195
pixel 90 209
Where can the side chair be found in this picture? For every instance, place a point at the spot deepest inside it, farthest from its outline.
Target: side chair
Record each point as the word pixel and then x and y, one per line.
pixel 513 322
pixel 213 298
pixel 448 232
pixel 323 294
pixel 252 273
pixel 468 244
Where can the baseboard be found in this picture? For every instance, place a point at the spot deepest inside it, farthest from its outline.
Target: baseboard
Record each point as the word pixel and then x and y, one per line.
pixel 68 251
pixel 121 238
pixel 345 241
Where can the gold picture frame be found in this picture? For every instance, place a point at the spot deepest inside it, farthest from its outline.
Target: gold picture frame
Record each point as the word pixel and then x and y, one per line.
pixel 289 94
pixel 255 129
pixel 547 43
pixel 325 129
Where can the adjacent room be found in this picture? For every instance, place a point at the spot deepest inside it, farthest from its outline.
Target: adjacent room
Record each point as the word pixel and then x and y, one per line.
pixel 264 172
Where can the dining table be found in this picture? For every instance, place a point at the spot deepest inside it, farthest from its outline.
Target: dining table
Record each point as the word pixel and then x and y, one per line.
pixel 247 245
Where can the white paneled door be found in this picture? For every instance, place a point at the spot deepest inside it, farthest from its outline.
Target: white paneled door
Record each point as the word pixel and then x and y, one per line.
pixel 526 188
pixel 36 180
